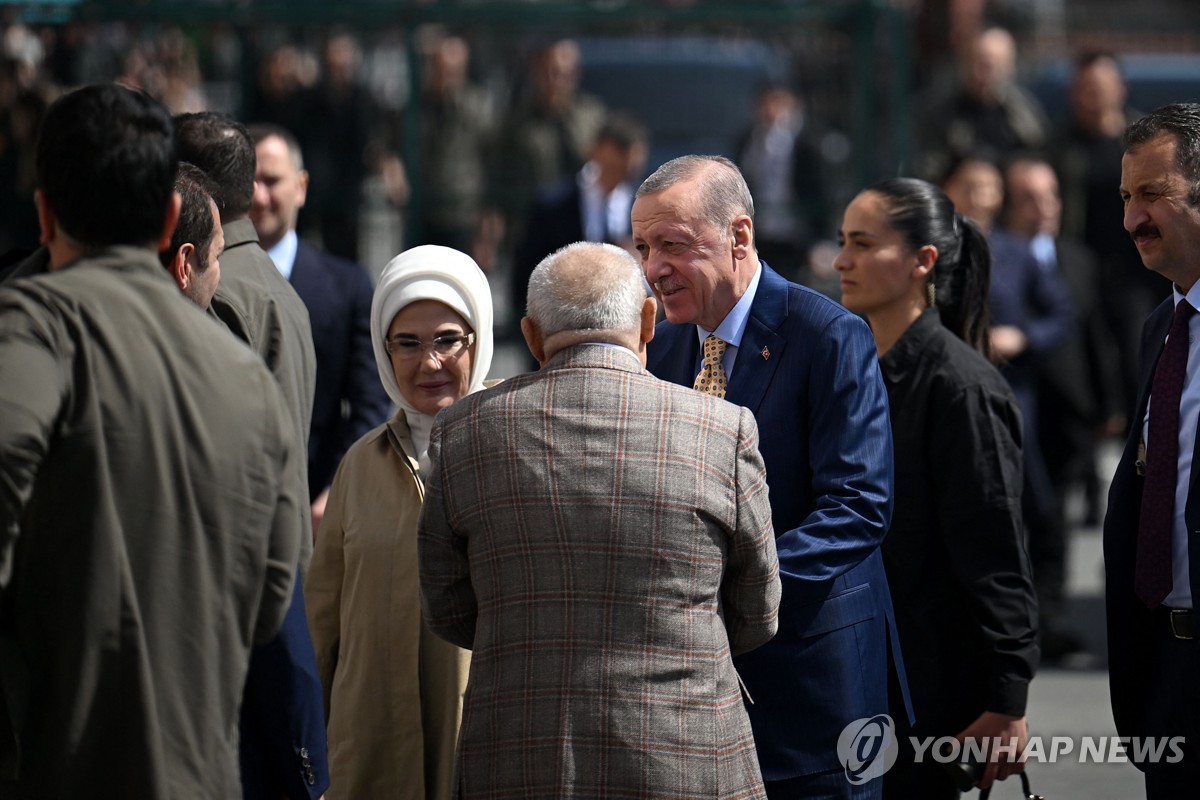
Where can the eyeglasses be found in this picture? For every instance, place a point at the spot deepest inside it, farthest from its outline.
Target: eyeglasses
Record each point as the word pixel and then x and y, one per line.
pixel 446 347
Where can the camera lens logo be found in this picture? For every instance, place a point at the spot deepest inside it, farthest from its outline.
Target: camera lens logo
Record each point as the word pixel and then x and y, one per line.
pixel 867 748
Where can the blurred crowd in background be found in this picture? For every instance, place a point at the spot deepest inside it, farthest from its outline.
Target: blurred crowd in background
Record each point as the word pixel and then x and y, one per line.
pixel 475 139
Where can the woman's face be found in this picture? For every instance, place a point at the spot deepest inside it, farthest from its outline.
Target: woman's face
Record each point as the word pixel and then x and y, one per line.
pixel 875 264
pixel 428 381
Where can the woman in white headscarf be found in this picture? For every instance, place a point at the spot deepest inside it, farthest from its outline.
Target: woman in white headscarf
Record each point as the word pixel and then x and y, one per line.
pixel 393 690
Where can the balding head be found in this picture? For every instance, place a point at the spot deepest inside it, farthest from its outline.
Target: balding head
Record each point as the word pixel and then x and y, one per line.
pixel 991 65
pixel 587 292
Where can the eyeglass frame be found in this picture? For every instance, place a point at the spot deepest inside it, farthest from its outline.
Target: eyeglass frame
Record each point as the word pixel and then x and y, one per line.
pixel 467 340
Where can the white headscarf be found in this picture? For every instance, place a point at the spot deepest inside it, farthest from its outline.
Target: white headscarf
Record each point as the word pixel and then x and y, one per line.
pixel 431 272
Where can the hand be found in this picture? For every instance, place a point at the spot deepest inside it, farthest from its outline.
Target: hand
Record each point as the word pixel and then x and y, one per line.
pixel 1008 341
pixel 318 511
pixel 992 726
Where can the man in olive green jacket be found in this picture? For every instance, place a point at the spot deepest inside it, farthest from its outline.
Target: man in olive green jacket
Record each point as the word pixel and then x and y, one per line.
pixel 148 529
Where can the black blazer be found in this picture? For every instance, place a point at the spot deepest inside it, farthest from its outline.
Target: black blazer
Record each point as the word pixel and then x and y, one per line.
pixel 1130 624
pixel 349 399
pixel 555 220
pixel 1079 381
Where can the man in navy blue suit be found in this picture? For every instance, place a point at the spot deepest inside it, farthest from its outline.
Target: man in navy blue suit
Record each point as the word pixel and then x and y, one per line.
pixel 349 399
pixel 808 370
pixel 592 205
pixel 1152 529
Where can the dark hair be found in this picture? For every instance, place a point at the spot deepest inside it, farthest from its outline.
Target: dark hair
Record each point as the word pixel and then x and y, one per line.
pixel 1019 158
pixel 624 130
pixel 106 165
pixel 1088 58
pixel 924 215
pixel 195 220
pixel 1182 120
pixel 221 146
pixel 265 130
pixel 981 154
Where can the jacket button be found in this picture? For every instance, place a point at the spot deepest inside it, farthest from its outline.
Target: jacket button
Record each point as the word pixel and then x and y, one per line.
pixel 304 752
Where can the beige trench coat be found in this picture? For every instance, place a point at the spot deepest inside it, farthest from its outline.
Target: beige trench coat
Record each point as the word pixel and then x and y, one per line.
pixel 393 690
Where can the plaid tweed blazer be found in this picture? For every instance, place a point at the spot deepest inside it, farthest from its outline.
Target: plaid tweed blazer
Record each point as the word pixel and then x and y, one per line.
pixel 602 540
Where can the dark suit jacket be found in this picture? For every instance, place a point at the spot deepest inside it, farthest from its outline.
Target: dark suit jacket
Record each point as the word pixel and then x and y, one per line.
pixel 1079 379
pixel 1130 625
pixel 555 220
pixel 808 370
pixel 1036 300
pixel 349 399
pixel 282 741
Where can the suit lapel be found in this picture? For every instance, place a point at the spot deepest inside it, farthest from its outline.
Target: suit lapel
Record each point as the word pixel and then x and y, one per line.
pixel 674 353
pixel 761 349
pixel 305 273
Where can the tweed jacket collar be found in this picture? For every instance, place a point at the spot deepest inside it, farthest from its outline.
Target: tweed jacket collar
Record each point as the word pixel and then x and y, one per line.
pixel 595 355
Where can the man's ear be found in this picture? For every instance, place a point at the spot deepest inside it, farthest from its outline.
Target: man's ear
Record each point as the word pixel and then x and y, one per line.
pixel 170 221
pixel 649 315
pixel 533 339
pixel 46 220
pixel 302 182
pixel 743 236
pixel 181 268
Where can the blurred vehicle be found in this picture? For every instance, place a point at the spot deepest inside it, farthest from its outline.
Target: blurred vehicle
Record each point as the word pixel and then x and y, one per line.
pixel 695 94
pixel 1154 79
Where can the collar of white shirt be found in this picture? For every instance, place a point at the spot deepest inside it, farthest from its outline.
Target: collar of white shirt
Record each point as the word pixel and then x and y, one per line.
pixel 284 254
pixel 733 326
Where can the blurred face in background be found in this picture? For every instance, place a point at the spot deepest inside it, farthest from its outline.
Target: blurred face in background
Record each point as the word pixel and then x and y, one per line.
pixel 1034 205
pixel 976 188
pixel 280 188
pixel 1098 98
pixel 556 75
pixel 991 65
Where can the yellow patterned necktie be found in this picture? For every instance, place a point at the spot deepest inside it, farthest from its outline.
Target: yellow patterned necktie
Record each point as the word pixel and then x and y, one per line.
pixel 711 379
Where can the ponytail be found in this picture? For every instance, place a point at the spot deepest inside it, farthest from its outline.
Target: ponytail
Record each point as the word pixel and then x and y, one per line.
pixel 962 296
pixel 958 284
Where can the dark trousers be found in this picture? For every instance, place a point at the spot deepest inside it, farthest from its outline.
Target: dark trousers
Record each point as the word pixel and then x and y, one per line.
pixel 1174 710
pixel 927 780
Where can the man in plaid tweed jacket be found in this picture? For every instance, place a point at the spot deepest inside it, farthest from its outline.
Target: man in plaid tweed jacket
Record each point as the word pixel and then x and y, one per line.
pixel 602 540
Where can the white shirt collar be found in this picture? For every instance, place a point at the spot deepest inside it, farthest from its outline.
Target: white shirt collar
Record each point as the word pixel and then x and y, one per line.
pixel 284 254
pixel 733 326
pixel 605 216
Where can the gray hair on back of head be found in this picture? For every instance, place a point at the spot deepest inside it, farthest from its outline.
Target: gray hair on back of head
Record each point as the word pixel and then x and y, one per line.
pixel 586 286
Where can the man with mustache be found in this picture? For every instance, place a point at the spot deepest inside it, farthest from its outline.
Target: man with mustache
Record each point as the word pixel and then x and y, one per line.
pixel 1152 530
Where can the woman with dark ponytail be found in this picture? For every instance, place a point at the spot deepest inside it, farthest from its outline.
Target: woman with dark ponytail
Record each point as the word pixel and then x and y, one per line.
pixel 955 555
